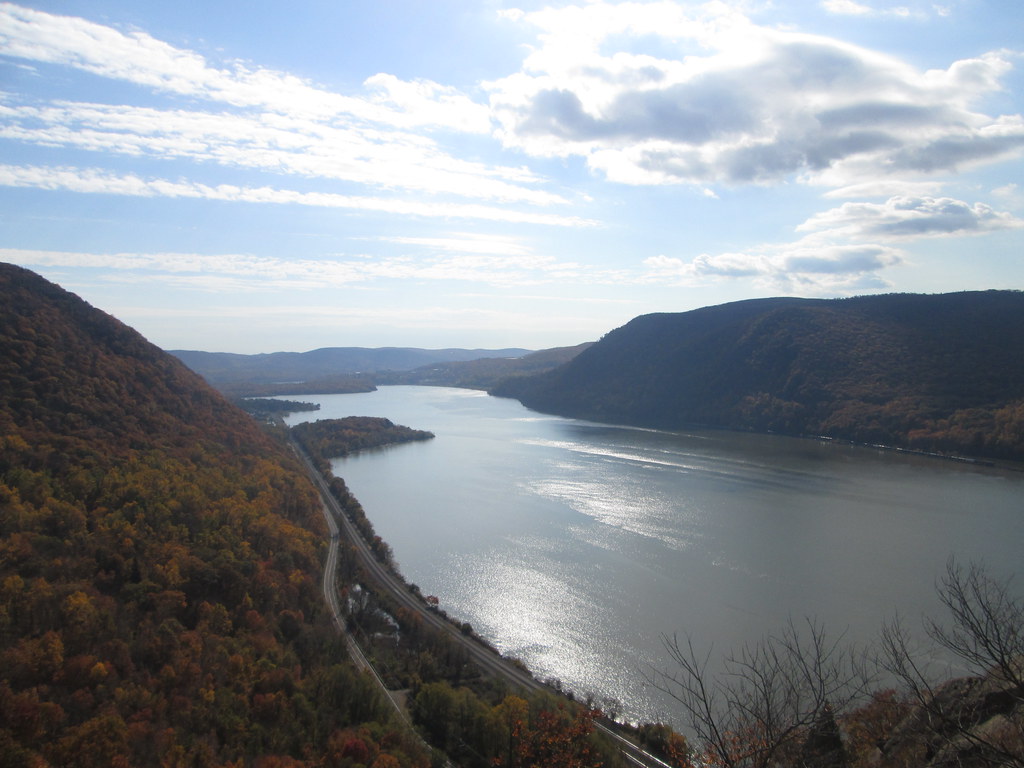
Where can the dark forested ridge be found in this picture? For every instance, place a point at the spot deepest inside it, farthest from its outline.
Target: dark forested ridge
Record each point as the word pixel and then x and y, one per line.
pixel 931 372
pixel 160 559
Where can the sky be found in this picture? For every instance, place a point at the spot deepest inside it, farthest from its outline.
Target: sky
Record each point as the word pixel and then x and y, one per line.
pixel 254 176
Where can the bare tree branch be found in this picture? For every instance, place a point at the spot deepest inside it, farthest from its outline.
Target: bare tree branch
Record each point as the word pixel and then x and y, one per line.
pixel 759 707
pixel 982 716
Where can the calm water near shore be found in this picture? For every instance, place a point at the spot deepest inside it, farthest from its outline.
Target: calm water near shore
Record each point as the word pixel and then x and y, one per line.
pixel 577 547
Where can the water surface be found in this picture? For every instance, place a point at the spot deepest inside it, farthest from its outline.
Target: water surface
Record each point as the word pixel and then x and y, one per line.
pixel 578 547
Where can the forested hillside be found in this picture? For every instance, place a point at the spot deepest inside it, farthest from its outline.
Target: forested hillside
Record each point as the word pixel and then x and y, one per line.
pixel 936 373
pixel 159 566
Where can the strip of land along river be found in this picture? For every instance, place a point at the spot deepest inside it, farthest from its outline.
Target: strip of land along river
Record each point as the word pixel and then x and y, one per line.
pixel 577 547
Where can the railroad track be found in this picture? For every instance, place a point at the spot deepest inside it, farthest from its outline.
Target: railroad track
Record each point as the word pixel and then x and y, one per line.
pixel 330 590
pixel 339 523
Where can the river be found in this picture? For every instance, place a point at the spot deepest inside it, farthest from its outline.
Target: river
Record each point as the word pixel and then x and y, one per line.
pixel 579 547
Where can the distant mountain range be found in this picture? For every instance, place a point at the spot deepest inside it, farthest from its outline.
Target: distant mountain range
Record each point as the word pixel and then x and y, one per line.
pixel 931 372
pixel 483 373
pixel 331 369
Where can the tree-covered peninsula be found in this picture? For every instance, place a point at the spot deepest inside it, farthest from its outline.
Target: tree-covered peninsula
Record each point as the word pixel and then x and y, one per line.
pixel 335 438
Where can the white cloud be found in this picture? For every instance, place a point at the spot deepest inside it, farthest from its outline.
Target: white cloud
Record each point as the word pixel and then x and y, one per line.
pixel 467 243
pixel 423 102
pixel 1010 195
pixel 260 119
pixel 846 249
pixel 846 8
pixel 807 265
pixel 269 142
pixel 916 10
pixel 886 188
pixel 910 217
pixel 248 273
pixel 851 8
pixel 138 58
pixel 198 270
pixel 730 265
pixel 96 181
pixel 644 92
pixel 741 104
pixel 805 259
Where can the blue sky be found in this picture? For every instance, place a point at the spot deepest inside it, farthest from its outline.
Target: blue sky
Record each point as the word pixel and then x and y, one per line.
pixel 259 176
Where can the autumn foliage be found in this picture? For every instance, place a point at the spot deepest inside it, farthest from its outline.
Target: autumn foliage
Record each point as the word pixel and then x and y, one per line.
pixel 519 731
pixel 160 559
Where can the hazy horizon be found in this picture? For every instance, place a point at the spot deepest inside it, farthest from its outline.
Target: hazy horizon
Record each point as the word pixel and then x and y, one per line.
pixel 236 178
